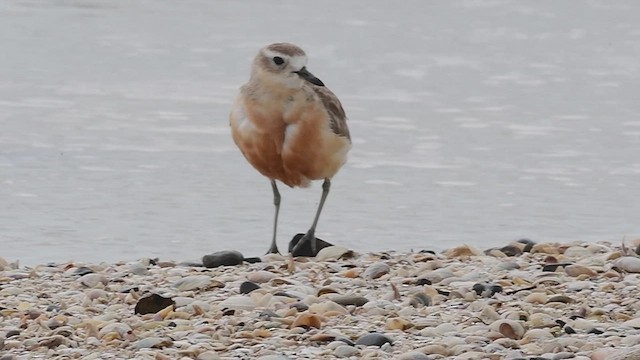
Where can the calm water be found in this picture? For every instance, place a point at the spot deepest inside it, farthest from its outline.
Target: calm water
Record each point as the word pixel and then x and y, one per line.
pixel 473 122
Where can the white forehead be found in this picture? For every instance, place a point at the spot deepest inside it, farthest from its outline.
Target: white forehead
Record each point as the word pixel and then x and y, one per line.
pixel 296 61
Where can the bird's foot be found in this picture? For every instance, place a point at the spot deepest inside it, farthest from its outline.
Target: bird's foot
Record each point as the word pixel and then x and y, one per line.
pixel 273 250
pixel 306 246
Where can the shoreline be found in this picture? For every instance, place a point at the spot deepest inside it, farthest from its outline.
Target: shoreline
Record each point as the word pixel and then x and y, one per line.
pixel 521 301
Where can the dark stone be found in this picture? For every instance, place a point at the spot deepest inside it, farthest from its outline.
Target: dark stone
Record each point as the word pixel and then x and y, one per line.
pixel 427 252
pixel 346 341
pixel 595 331
pixel 300 306
pixel 228 312
pixel 12 333
pixel 82 270
pixel 443 292
pixel 253 260
pixel 495 289
pixel 528 245
pixel 373 339
pixel 53 307
pixel 223 258
pixel 511 250
pixel 128 289
pixel 569 330
pixel 305 250
pixel 420 299
pixel 561 323
pixel 153 303
pixel 554 267
pixel 423 281
pixel 350 300
pixel 247 287
pixel 478 288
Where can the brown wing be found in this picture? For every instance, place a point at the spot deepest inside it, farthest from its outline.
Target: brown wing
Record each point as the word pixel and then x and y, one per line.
pixel 337 115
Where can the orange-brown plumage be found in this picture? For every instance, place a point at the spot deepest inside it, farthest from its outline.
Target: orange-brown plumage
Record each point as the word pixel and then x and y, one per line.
pixel 287 124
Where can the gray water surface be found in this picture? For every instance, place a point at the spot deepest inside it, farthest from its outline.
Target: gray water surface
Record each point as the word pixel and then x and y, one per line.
pixel 474 122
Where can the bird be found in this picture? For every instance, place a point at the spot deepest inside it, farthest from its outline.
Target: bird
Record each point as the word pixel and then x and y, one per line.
pixel 290 127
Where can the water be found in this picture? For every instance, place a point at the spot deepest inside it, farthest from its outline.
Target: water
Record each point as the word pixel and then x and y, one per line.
pixel 473 122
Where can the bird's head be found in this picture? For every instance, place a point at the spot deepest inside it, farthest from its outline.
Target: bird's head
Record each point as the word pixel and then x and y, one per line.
pixel 283 63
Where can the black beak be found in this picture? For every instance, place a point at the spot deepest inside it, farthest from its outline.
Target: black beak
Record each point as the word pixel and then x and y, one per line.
pixel 305 74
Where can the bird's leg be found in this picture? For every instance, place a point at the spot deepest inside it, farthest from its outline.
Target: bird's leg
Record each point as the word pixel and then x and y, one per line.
pixel 276 201
pixel 311 234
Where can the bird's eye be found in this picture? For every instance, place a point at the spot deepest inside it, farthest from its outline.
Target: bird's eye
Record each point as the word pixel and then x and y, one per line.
pixel 278 60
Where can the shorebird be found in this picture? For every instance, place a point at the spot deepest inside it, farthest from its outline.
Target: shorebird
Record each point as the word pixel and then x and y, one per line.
pixel 290 127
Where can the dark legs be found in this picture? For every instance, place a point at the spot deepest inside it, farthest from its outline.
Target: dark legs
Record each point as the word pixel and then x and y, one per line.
pixel 311 234
pixel 276 201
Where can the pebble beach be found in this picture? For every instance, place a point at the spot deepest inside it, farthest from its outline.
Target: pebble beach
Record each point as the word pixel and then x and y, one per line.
pixel 525 300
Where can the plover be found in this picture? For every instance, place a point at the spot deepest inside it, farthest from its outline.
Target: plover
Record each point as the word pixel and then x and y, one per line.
pixel 290 127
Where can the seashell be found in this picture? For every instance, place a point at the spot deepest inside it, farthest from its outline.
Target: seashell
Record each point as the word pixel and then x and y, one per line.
pixel 344 351
pixel 576 270
pixel 328 308
pixel 462 251
pixel 536 298
pixel 488 315
pixel 261 277
pixel 193 282
pixel 376 270
pixel 561 299
pixel 119 329
pixel 541 320
pixel 577 252
pixel 508 328
pixel 351 273
pixel 435 349
pixel 326 290
pixel 93 280
pixel 334 253
pixel 307 320
pixel 628 263
pixel 398 323
pixel 545 249
pixel 238 302
pixel 153 343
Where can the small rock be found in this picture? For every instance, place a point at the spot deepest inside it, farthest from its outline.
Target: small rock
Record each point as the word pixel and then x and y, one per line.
pixel 305 249
pixel 223 258
pixel 247 287
pixel 373 339
pixel 82 270
pixel 376 270
pixel 413 355
pixel 346 300
pixel 343 351
pixel 153 303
